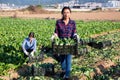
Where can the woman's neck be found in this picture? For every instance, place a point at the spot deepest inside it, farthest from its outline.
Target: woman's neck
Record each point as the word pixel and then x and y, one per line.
pixel 66 21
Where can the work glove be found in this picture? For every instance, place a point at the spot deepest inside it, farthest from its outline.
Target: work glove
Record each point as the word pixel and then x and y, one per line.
pixel 32 54
pixel 26 52
pixel 53 37
pixel 76 37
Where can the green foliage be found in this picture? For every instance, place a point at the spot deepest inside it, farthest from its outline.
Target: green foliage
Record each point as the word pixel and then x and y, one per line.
pixel 40 6
pixel 85 29
pixel 13 32
pixel 64 41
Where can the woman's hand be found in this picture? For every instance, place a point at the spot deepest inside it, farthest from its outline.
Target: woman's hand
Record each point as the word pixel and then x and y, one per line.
pixel 32 53
pixel 26 52
pixel 54 36
pixel 76 37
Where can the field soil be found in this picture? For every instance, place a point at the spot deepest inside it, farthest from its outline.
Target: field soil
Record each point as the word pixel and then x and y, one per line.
pixel 86 16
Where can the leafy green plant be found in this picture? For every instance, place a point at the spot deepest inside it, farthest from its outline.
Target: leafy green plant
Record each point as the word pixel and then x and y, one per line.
pixel 13 31
pixel 65 41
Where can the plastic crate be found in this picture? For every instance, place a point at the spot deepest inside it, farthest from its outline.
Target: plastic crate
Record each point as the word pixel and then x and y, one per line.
pixel 43 69
pixel 38 71
pixel 38 58
pixel 65 49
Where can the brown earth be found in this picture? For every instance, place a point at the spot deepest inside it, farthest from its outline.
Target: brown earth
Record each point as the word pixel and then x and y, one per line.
pixel 94 15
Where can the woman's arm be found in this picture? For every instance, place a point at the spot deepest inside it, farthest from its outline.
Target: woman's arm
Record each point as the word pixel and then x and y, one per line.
pixel 23 47
pixel 35 45
pixel 55 32
pixel 34 48
pixel 75 35
pixel 74 28
pixel 56 29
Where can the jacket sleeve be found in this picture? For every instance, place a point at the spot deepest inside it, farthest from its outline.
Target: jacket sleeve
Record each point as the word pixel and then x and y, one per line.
pixel 74 29
pixel 56 28
pixel 23 45
pixel 74 32
pixel 35 45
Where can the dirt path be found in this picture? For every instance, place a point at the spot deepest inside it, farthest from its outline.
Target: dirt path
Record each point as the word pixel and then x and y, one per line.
pixel 99 15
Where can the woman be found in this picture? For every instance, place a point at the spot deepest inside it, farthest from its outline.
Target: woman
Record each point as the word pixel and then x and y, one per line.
pixel 65 28
pixel 29 45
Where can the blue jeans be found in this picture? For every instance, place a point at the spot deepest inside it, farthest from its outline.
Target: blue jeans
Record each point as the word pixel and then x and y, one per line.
pixel 66 62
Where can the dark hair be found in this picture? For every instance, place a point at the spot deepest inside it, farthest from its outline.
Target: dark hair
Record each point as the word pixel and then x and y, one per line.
pixel 31 34
pixel 65 8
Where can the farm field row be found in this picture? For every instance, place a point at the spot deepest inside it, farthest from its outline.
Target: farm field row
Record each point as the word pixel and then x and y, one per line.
pixel 14 30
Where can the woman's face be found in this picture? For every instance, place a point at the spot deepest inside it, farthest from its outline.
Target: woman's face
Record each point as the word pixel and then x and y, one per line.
pixel 30 38
pixel 66 14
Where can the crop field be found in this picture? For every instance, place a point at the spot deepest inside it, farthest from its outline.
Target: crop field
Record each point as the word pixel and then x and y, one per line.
pixel 97 64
